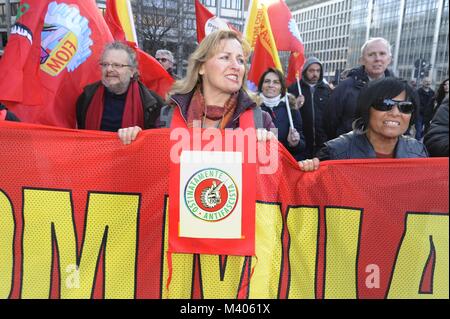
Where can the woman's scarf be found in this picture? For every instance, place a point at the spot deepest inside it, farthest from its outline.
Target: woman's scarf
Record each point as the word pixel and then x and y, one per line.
pixel 198 110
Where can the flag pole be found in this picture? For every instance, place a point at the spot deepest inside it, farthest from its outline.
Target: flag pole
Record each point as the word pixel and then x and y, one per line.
pixel 298 86
pixel 288 109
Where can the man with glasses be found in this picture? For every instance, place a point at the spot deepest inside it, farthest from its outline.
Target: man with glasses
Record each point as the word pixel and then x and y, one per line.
pixel 119 102
pixel 165 58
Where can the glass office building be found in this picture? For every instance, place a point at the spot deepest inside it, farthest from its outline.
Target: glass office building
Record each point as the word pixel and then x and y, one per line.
pixel 335 30
pixel 325 30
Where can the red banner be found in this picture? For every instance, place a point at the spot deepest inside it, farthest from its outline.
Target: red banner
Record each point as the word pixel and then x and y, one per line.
pixel 82 215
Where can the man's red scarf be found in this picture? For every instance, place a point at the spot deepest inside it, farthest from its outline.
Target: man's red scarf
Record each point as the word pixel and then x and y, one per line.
pixel 133 114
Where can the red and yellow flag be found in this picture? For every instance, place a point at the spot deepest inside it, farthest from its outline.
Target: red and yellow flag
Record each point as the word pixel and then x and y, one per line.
pixel 265 54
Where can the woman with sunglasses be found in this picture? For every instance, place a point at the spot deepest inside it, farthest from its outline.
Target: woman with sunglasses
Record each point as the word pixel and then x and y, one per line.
pixel 386 108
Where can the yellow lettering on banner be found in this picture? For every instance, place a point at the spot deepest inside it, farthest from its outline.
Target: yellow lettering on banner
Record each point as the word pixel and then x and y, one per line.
pixel 269 224
pixel 303 225
pixel 213 286
pixel 341 251
pixel 7 228
pixel 61 55
pixel 182 269
pixel 413 256
pixel 111 221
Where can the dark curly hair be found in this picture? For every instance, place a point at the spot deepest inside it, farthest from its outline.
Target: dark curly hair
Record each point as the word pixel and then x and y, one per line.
pixel 385 88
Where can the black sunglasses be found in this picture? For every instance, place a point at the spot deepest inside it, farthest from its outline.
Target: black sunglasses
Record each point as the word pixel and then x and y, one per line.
pixel 406 107
pixel 162 60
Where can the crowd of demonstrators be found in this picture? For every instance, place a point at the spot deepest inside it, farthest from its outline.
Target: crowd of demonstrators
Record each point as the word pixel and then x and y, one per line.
pixel 165 58
pixel 436 139
pixel 312 101
pixel 375 59
pixel 6 115
pixel 119 102
pixel 426 95
pixel 385 110
pixel 272 99
pixel 213 93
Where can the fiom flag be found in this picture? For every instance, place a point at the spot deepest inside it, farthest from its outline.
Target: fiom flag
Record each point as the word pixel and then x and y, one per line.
pixel 53 52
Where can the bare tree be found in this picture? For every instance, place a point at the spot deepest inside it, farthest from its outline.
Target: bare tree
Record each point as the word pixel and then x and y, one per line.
pixel 155 23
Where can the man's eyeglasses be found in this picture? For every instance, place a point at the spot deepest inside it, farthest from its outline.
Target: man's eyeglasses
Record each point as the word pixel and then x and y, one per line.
pixel 163 60
pixel 115 66
pixel 405 107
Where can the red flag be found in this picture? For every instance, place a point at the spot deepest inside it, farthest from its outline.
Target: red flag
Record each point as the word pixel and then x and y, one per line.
pixel 296 61
pixel 265 54
pixel 284 27
pixel 113 21
pixel 151 72
pixel 52 54
pixel 208 22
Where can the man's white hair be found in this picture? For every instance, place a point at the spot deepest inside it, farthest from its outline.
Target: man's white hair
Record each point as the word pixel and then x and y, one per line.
pixel 372 40
pixel 166 53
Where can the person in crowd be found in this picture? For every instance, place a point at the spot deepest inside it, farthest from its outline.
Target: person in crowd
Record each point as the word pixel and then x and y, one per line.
pixel 313 101
pixel 6 115
pixel 119 102
pixel 213 94
pixel 425 97
pixel 413 84
pixel 436 139
pixel 165 58
pixel 272 91
pixel 441 94
pixel 385 110
pixel 375 59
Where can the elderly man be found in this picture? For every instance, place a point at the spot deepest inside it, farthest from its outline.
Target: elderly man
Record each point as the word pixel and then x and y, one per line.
pixel 374 60
pixel 165 58
pixel 119 102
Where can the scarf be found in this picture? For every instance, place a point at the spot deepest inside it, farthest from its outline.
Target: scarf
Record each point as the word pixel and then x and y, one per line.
pixel 198 108
pixel 133 113
pixel 271 101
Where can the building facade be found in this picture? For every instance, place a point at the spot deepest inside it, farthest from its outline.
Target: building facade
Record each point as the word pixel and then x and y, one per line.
pixel 8 11
pixel 335 30
pixel 324 27
pixel 416 29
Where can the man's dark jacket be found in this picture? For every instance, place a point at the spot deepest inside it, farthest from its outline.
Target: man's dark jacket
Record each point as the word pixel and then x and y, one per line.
pixel 313 110
pixel 341 109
